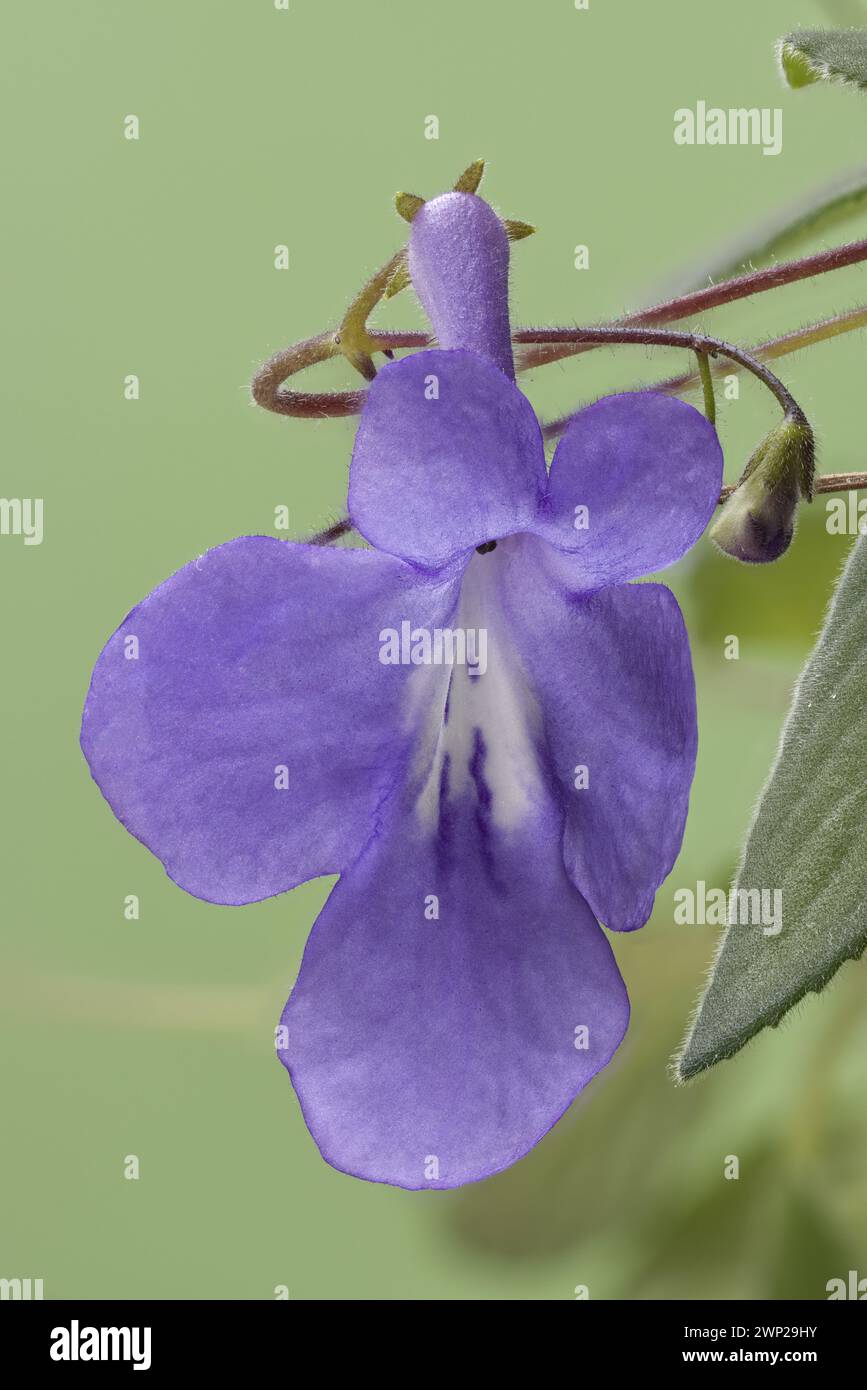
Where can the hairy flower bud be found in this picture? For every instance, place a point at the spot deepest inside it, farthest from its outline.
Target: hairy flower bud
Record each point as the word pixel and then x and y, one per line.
pixel 757 521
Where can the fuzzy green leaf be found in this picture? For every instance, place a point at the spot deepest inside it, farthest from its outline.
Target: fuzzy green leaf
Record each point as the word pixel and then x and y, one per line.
pixel 808 841
pixel 824 55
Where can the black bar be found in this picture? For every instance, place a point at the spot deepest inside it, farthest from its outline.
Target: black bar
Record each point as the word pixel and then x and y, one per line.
pixel 227 1337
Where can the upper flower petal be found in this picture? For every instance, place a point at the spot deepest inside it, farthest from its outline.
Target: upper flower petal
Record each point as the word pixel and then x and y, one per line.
pixel 613 676
pixel 448 455
pixel 454 996
pixel 240 722
pixel 648 470
pixel 459 263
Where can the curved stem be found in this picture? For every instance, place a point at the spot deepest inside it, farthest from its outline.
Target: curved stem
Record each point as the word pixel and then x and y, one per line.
pixel 699 301
pixel 764 352
pixel 541 346
pixel 699 343
pixel 265 387
pixel 305 405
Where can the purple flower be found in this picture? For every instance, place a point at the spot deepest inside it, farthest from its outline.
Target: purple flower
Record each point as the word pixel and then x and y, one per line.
pixel 492 744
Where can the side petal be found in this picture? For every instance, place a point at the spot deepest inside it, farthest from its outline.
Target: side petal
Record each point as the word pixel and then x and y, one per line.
pixel 613 675
pixel 240 722
pixel 633 484
pixel 454 997
pixel 448 455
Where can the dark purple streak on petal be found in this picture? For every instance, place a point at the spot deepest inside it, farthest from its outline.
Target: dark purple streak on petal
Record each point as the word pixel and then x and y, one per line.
pixel 431 1053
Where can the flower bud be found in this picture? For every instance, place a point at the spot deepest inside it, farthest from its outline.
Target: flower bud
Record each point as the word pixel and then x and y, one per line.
pixel 757 521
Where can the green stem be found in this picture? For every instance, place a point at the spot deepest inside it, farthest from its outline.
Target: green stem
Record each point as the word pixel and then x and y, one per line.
pixel 707 386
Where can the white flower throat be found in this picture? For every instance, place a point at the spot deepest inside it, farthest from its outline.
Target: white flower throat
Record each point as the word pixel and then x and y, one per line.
pixel 479 737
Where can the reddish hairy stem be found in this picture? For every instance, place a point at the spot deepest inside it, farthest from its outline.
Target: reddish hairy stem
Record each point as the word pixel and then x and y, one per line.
pixel 306 405
pixel 543 345
pixel 699 301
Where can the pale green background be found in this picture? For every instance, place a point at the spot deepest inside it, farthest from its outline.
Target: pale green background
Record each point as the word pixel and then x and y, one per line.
pixel 155 1038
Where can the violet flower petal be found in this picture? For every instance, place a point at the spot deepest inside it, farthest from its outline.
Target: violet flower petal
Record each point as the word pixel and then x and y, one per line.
pixel 459 264
pixel 434 1052
pixel 448 455
pixel 260 656
pixel 613 676
pixel 648 469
